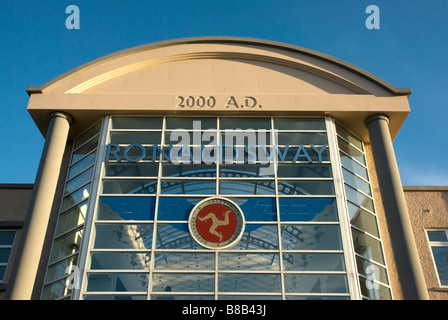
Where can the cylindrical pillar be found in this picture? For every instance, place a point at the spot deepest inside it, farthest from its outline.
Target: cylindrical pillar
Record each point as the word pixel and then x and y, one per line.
pixel 38 215
pixel 409 269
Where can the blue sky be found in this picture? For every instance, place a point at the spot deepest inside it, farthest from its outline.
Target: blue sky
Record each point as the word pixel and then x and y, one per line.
pixel 408 51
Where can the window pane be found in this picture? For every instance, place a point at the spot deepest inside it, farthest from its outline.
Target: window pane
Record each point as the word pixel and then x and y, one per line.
pixel 66 245
pixel 316 283
pixel 126 208
pixel 85 149
pixel 184 261
pixel 136 123
pixel 128 186
pixel 72 218
pixel 7 238
pixel 132 169
pixel 248 187
pixel 114 297
pixel 123 236
pixel 120 282
pixel 313 262
pixel 303 187
pixel 359 199
pixel 363 219
pixel 175 236
pixel 258 237
pixel 188 187
pixel 244 170
pixel 302 170
pixel 188 170
pixel 299 124
pixel 351 151
pixel 187 123
pixel 249 282
pixel 297 138
pixel 76 197
pixel 81 165
pixel 437 235
pixel 244 123
pixel 183 282
pixel 441 259
pixel 141 137
pixel 58 270
pixel 311 237
pixel 56 290
pixel 371 271
pixel 367 247
pixel 120 261
pixel 88 134
pixel 4 255
pixel 308 209
pixel 349 137
pixel 298 155
pixel 257 209
pixel 374 291
pixel 176 208
pixel 355 182
pixel 249 261
pixel 353 166
pixel 75 183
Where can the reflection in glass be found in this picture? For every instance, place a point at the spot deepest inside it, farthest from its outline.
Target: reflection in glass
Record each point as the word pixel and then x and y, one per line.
pixel 258 237
pixel 308 209
pixel 262 261
pixel 75 183
pixel 183 282
pixel 120 261
pixel 175 236
pixel 187 123
pixel 132 169
pixel 66 245
pixel 244 123
pixel 85 149
pixel 311 237
pixel 176 208
pixel 71 218
pixel 299 124
pixel 358 198
pixel 441 258
pixel 313 261
pixel 58 270
pixel 351 151
pixel 258 209
pixel 136 123
pixel 188 170
pixel 123 236
pixel 129 186
pixel 349 137
pixel 247 187
pixel 356 182
pixel 142 137
pixel 88 134
pixel 305 138
pixel 371 270
pixel 249 282
pixel 120 282
pixel 305 187
pixel 126 208
pixel 184 261
pixel 367 247
pixel 188 187
pixel 362 219
pixel 76 197
pixel 316 283
pixel 303 170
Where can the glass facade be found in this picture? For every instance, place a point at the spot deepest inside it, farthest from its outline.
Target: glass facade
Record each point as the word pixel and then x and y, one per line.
pixel 124 222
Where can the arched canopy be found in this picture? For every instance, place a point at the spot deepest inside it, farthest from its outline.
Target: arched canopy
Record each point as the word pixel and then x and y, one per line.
pixel 234 76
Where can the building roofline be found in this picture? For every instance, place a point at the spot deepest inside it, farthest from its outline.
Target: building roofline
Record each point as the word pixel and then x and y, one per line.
pixel 425 188
pixel 230 40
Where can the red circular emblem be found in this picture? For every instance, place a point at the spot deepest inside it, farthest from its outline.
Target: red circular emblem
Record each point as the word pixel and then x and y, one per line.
pixel 216 223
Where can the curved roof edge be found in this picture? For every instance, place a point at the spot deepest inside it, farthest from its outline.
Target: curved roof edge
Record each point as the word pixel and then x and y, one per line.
pixel 231 40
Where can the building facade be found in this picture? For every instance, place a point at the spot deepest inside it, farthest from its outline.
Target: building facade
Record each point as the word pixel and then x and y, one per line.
pixel 219 168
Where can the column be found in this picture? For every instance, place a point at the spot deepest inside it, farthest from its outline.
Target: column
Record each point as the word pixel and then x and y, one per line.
pixel 38 215
pixel 409 269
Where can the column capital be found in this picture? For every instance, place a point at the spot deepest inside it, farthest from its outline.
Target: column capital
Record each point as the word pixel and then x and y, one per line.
pixel 63 115
pixel 375 117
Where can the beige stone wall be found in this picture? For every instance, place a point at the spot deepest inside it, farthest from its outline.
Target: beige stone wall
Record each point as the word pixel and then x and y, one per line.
pixel 428 208
pixel 382 224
